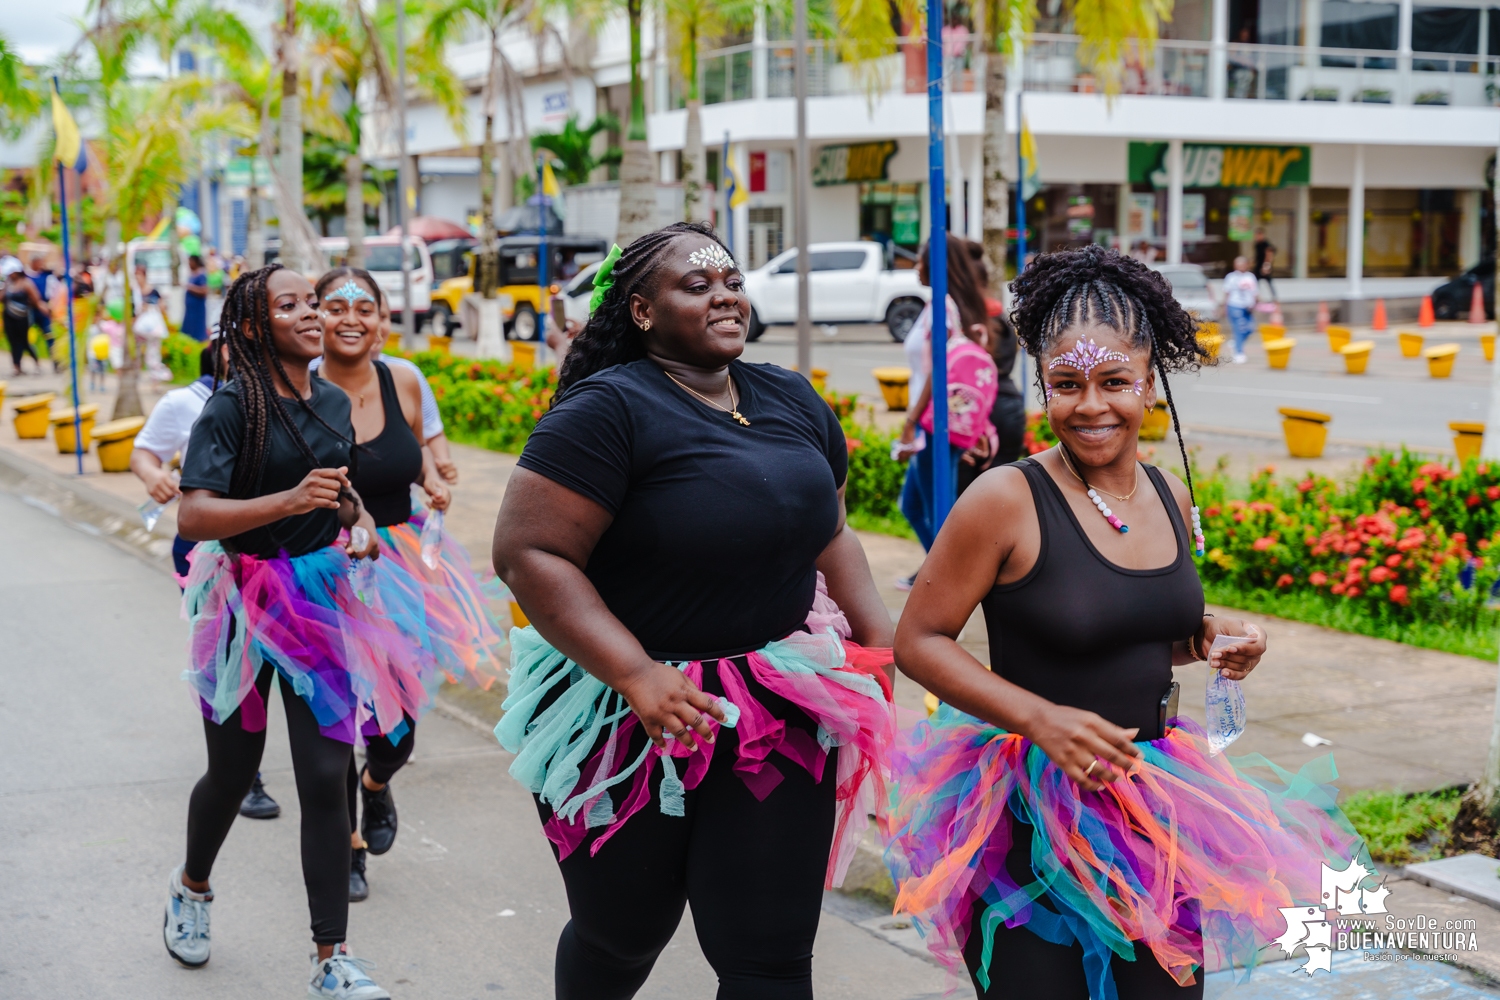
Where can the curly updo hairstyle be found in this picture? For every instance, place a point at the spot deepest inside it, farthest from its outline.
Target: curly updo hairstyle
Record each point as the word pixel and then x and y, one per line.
pixel 611 337
pixel 1070 288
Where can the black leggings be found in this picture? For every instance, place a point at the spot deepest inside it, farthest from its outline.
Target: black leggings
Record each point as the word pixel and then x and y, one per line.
pixel 17 334
pixel 320 764
pixel 382 759
pixel 1025 967
pixel 752 870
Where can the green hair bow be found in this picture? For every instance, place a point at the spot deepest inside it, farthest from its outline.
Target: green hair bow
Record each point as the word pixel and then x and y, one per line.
pixel 604 279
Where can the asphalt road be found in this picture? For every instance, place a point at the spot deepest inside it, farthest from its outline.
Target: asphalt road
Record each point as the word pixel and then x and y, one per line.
pixel 1395 402
pixel 100 746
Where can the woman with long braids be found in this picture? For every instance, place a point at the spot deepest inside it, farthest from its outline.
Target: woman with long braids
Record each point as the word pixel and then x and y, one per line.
pixel 688 674
pixel 433 597
pixel 265 491
pixel 1054 826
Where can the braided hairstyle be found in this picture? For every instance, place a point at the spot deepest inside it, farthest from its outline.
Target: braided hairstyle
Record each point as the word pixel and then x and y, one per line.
pixel 1070 288
pixel 611 337
pixel 247 309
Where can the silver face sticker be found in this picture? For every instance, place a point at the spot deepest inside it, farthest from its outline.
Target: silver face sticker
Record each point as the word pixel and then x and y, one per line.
pixel 713 256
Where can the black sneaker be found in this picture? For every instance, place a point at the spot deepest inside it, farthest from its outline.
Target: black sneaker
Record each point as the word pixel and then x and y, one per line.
pixel 359 889
pixel 378 824
pixel 257 804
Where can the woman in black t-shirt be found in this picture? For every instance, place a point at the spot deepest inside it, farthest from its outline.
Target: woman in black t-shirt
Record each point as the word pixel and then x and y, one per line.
pixel 668 533
pixel 265 490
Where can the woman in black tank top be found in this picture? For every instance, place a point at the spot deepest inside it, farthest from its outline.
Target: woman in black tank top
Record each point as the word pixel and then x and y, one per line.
pixel 1053 829
pixel 423 583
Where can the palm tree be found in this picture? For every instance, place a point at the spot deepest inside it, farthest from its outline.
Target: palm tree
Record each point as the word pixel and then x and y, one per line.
pixel 446 22
pixel 573 147
pixel 21 96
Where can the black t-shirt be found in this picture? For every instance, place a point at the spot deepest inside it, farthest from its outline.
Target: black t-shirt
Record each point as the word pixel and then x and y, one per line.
pixel 215 445
pixel 717 526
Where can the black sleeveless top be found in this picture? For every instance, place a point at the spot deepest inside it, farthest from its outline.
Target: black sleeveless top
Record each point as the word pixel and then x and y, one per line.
pixel 388 463
pixel 1079 630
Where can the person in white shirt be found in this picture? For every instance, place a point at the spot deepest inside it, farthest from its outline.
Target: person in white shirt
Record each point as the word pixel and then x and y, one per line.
pixel 1241 291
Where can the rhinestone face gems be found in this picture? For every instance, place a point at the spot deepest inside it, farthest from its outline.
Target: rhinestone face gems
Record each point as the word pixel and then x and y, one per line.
pixel 713 256
pixel 351 291
pixel 1137 387
pixel 1086 356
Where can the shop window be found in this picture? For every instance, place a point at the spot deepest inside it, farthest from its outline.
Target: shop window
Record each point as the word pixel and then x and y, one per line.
pixel 891 214
pixel 766 234
pixel 1444 29
pixel 1265 22
pixel 1350 25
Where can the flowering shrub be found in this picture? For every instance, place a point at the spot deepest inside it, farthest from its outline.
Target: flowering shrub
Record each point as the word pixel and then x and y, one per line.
pixel 487 403
pixel 180 354
pixel 1398 551
pixel 1038 436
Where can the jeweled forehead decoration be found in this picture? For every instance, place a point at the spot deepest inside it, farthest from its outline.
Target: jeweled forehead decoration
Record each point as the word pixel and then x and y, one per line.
pixel 713 256
pixel 351 290
pixel 1086 356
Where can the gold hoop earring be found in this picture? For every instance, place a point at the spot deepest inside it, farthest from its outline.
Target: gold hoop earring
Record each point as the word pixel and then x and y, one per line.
pixel 645 325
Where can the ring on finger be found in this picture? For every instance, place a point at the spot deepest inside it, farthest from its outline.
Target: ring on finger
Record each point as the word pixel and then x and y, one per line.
pixel 1092 764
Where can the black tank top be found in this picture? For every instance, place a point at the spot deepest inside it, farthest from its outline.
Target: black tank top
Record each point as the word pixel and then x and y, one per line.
pixel 390 462
pixel 1079 630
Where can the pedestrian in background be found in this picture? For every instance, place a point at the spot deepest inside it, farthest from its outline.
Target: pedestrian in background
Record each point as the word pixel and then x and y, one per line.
pixel 21 301
pixel 1265 260
pixel 195 300
pixel 1241 292
pixel 41 277
pixel 1008 415
pixel 675 531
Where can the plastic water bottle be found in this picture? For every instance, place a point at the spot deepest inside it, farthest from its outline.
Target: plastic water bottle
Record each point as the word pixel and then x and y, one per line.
pixel 1223 703
pixel 432 538
pixel 151 511
pixel 362 571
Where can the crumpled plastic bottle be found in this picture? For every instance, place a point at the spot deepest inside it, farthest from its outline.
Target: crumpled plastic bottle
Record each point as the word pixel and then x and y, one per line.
pixel 362 571
pixel 151 511
pixel 1223 703
pixel 431 538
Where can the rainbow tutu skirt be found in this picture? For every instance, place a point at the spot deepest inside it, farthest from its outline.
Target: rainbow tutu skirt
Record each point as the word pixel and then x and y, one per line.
pixel 1188 858
pixel 359 670
pixel 571 733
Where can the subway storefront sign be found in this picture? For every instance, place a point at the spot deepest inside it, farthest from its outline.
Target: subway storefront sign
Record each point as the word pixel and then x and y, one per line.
pixel 1221 165
pixel 859 163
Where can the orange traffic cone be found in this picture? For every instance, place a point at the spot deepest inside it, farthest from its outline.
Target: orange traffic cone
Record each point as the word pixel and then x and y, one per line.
pixel 1476 304
pixel 1323 317
pixel 1425 317
pixel 1378 322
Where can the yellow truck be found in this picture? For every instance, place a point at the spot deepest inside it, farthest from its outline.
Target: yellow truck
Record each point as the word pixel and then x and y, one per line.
pixel 453 272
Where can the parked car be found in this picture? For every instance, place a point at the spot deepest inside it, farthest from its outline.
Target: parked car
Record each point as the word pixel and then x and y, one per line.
pixel 577 292
pixel 518 277
pixel 848 283
pixel 1191 289
pixel 1452 299
pixel 450 281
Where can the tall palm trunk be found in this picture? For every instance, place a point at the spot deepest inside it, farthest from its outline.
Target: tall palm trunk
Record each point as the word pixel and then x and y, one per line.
pixel 255 234
pixel 487 262
pixel 996 191
pixel 693 168
pixel 128 398
pixel 637 178
pixel 291 137
pixel 354 208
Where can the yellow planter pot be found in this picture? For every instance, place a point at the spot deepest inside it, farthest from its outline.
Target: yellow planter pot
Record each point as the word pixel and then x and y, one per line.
pixel 1440 359
pixel 523 353
pixel 1411 343
pixel 517 616
pixel 32 415
pixel 1486 344
pixel 1271 331
pixel 3 387
pixel 443 345
pixel 1279 351
pixel 1209 344
pixel 1357 356
pixel 115 440
pixel 1306 431
pixel 1468 438
pixel 62 427
pixel 895 384
pixel 1338 336
pixel 1154 427
pixel 820 379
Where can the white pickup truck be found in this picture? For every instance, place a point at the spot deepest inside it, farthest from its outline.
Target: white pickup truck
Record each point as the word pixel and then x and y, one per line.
pixel 848 283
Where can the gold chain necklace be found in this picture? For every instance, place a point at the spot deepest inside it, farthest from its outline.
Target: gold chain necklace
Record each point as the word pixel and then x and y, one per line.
pixel 1063 454
pixel 734 406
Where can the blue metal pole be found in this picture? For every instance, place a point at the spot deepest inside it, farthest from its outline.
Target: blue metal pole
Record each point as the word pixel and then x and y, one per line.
pixel 542 257
pixel 1020 193
pixel 62 192
pixel 937 270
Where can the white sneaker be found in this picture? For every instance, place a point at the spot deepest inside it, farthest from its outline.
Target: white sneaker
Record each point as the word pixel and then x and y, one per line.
pixel 341 976
pixel 1239 359
pixel 185 927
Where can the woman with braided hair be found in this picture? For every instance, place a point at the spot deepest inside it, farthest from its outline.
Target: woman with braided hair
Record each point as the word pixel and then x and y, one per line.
pixel 675 532
pixel 266 492
pixel 1056 828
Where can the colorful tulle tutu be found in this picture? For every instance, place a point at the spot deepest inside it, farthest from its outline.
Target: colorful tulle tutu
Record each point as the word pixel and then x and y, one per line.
pixel 1190 856
pixel 572 751
pixel 357 670
pixel 444 608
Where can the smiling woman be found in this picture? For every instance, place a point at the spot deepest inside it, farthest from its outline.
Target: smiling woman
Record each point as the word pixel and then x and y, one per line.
pixel 675 532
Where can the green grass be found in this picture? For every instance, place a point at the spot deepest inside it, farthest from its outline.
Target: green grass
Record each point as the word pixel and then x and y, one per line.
pixel 881 525
pixel 1315 609
pixel 1393 823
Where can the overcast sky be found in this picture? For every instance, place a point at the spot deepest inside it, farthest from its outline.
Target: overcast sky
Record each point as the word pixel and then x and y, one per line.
pixel 41 31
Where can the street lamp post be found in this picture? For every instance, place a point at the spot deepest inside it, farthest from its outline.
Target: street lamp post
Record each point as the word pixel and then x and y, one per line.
pixel 804 173
pixel 403 182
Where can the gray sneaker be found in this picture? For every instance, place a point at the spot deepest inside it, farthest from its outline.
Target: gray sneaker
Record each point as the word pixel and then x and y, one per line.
pixel 341 976
pixel 185 927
